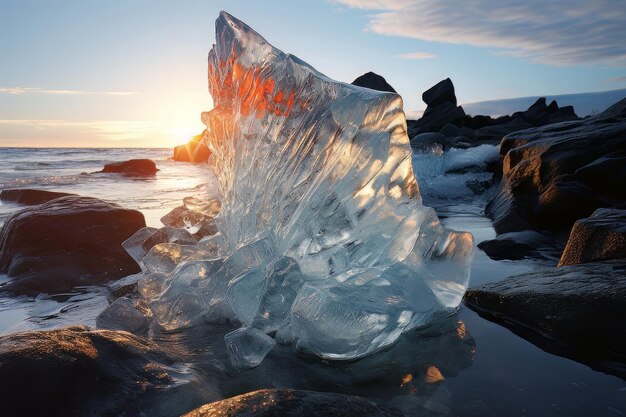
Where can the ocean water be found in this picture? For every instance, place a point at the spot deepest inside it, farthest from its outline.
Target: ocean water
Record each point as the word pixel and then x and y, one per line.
pixel 492 372
pixel 74 170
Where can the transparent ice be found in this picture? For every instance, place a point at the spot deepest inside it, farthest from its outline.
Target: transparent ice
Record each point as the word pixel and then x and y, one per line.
pixel 323 239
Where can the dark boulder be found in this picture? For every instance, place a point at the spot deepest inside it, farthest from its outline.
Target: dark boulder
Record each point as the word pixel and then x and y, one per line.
pixel 551 173
pixel 293 403
pixel 435 118
pixel 597 238
pixel 606 174
pixel 374 82
pixel 195 151
pixel 30 197
pixel 441 110
pixel 133 167
pixel 519 245
pixel 442 92
pixel 76 371
pixel 65 242
pixel 425 141
pixel 574 311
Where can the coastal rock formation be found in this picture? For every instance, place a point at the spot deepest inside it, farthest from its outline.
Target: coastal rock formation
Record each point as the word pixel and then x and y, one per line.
pixel 441 110
pixel 600 237
pixel 373 81
pixel 76 371
pixel 195 151
pixel 133 167
pixel 30 197
pixel 293 403
pixel 460 130
pixel 65 242
pixel 575 311
pixel 550 173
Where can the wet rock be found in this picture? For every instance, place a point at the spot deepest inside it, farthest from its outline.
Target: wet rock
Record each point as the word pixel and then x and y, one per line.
pixel 132 167
pixel 195 151
pixel 597 238
pixel 76 371
pixel 293 403
pixel 606 174
pixel 427 140
pixel 442 92
pixel 574 311
pixel 30 197
pixel 544 182
pixel 435 118
pixel 66 242
pixel 441 109
pixel 516 245
pixel 373 81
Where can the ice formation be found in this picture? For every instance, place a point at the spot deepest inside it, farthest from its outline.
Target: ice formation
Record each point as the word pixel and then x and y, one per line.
pixel 324 242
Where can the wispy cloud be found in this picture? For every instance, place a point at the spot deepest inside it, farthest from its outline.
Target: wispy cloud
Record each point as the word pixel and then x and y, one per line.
pixel 616 80
pixel 558 32
pixel 417 55
pixel 114 130
pixel 19 91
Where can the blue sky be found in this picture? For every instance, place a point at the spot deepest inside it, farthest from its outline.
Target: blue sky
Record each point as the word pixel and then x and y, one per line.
pixel 133 73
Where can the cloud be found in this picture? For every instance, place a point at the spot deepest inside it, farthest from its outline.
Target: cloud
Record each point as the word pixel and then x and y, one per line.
pixel 555 32
pixel 417 55
pixel 114 130
pixel 616 80
pixel 19 91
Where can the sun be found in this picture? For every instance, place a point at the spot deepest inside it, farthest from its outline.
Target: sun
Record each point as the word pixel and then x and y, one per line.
pixel 182 135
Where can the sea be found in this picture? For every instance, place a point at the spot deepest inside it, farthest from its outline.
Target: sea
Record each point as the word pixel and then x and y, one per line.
pixel 500 374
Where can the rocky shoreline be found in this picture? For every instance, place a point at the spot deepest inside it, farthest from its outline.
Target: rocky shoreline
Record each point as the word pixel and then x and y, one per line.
pixel 560 190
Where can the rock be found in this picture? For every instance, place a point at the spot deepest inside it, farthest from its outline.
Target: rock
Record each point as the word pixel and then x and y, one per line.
pixel 427 140
pixel 450 130
pixel 435 118
pixel 564 114
pixel 606 174
pixel 597 238
pixel 30 197
pixel 293 403
pixel 76 371
pixel 575 311
pixel 373 81
pixel 133 167
pixel 195 151
pixel 540 114
pixel 477 122
pixel 442 92
pixel 516 245
pixel 441 110
pixel 551 173
pixel 65 242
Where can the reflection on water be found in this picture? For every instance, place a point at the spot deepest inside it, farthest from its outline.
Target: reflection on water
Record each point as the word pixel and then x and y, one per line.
pixel 409 375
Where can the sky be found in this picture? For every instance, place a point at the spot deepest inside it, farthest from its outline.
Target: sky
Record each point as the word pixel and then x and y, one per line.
pixel 132 73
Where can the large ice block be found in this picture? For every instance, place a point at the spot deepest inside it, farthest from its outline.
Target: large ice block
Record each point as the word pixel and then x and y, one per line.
pixel 325 165
pixel 323 239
